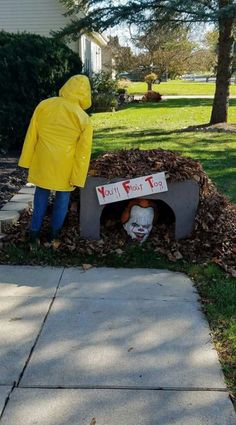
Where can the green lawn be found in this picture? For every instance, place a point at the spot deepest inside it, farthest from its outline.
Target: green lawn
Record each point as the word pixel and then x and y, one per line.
pixel 157 126
pixel 179 87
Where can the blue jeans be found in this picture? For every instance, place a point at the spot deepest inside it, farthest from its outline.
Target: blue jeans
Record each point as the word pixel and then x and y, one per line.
pixel 59 212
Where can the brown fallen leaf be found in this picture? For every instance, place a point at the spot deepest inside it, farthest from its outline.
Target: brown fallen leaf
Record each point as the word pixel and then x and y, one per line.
pixel 206 301
pixel 55 244
pixel 86 267
pixel 232 272
pixel 216 260
pixel 119 251
pixel 171 257
pixel 213 237
pixel 92 172
pixel 177 255
pixel 196 178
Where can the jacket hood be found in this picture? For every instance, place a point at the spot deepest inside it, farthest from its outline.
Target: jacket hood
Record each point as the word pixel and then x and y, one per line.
pixel 77 89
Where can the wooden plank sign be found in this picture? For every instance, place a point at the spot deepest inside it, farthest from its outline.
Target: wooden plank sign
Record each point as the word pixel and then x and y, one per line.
pixel 131 188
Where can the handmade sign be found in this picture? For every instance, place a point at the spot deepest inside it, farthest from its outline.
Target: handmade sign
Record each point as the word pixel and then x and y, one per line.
pixel 133 188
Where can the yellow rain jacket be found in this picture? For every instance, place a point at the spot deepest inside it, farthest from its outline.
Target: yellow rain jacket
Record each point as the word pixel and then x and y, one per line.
pixel 58 142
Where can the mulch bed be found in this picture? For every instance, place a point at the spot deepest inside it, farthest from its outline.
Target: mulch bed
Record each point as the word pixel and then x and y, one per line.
pixel 12 178
pixel 214 235
pixel 214 128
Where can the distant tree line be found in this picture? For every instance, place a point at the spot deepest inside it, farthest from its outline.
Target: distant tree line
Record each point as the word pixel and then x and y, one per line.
pixel 166 51
pixel 99 15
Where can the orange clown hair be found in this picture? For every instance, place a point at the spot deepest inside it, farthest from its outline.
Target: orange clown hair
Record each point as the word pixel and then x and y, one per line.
pixel 140 202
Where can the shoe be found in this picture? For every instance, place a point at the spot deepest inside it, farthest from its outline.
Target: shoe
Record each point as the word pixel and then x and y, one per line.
pixel 34 241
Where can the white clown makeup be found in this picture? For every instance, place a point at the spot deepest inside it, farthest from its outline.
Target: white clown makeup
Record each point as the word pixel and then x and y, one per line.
pixel 140 223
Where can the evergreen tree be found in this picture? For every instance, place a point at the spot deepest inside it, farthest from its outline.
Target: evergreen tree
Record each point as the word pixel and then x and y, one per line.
pixel 32 68
pixel 101 15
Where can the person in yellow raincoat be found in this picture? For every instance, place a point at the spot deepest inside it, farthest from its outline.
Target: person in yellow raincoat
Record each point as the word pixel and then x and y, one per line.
pixel 57 151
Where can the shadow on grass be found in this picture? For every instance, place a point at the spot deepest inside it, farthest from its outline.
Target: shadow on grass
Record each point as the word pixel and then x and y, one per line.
pixel 159 137
pixel 118 135
pixel 175 103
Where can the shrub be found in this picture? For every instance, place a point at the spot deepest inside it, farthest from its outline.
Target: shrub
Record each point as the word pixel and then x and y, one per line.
pixel 149 79
pixel 151 96
pixel 102 82
pixel 121 91
pixel 32 68
pixel 124 83
pixel 104 90
pixel 104 102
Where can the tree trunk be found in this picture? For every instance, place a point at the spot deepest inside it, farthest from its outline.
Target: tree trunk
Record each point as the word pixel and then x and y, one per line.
pixel 224 69
pixel 149 84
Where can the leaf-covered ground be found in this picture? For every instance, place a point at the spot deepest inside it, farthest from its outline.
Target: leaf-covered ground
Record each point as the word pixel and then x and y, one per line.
pixel 214 235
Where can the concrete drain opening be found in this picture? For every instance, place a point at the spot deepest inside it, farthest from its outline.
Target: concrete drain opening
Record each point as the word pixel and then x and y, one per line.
pixel 114 211
pixel 180 204
pixel 165 214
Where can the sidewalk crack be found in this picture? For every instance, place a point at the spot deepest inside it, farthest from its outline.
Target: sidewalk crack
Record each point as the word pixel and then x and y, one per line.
pixel 40 330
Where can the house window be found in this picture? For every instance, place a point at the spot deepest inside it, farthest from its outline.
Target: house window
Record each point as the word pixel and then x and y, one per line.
pixel 87 57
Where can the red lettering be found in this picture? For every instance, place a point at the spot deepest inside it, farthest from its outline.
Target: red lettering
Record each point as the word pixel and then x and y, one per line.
pixel 102 191
pixel 158 184
pixel 149 180
pixel 126 185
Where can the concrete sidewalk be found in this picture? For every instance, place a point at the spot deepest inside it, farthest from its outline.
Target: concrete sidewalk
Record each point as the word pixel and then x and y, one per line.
pixel 124 346
pixel 183 96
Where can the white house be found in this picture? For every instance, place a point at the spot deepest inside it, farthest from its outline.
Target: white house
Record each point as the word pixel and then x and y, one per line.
pixel 43 16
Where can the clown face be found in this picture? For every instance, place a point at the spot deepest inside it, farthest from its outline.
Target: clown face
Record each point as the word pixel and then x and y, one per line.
pixel 140 222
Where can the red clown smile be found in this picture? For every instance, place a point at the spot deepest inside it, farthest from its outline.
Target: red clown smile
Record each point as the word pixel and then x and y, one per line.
pixel 139 236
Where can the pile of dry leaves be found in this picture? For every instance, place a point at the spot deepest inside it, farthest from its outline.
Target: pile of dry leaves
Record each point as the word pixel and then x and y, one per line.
pixel 134 163
pixel 214 235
